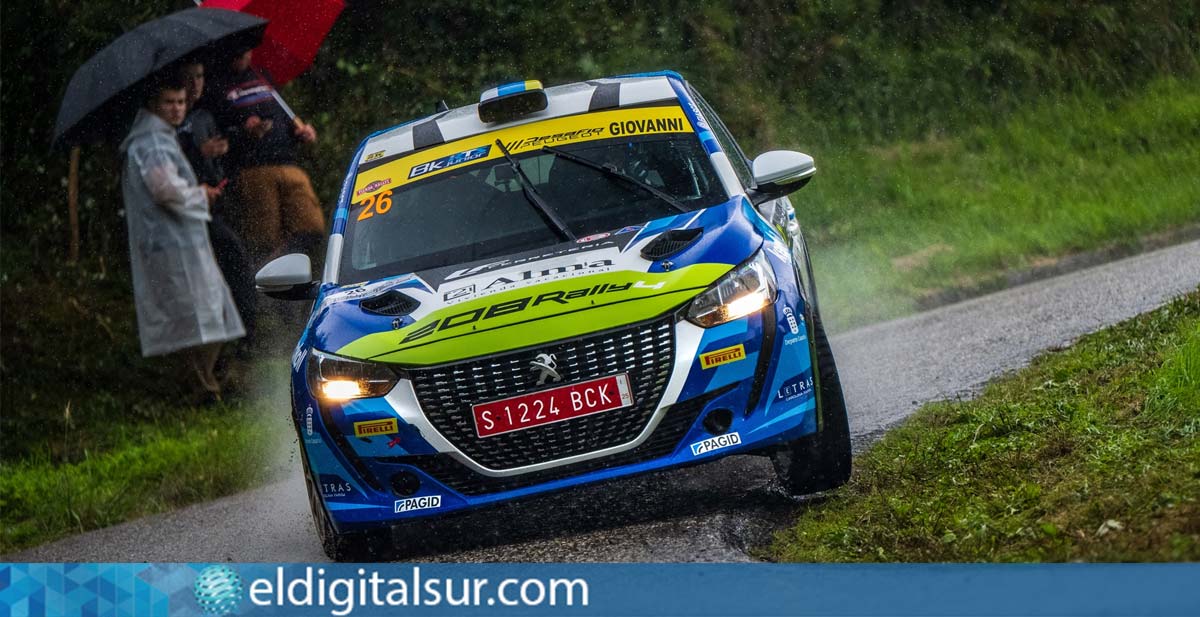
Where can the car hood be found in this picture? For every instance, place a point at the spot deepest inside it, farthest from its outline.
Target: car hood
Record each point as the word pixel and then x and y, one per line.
pixel 562 291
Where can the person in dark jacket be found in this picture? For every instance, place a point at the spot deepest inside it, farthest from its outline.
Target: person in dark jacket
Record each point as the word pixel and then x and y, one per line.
pixel 205 148
pixel 278 209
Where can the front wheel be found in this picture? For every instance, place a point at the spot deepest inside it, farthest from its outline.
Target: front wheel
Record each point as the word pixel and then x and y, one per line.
pixel 820 461
pixel 373 545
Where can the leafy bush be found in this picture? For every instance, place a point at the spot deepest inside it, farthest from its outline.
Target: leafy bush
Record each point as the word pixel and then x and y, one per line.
pixel 828 70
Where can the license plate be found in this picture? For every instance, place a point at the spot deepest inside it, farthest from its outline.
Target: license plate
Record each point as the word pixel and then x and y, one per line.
pixel 554 405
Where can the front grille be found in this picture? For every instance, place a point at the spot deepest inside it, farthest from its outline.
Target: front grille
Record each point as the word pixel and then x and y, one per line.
pixel 676 421
pixel 644 351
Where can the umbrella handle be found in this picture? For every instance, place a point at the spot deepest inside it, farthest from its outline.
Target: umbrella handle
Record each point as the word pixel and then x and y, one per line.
pixel 296 121
pixel 73 205
pixel 279 99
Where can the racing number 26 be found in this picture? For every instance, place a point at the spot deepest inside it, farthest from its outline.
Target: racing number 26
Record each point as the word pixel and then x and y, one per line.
pixel 373 204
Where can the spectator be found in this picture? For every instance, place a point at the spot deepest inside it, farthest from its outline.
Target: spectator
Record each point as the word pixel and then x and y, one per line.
pixel 202 143
pixel 278 210
pixel 205 148
pixel 183 303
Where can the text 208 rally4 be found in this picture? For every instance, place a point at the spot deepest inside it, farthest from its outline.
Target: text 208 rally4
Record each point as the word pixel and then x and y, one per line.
pixel 554 287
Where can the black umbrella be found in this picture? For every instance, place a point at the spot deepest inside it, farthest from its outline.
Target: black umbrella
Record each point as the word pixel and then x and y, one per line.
pixel 104 93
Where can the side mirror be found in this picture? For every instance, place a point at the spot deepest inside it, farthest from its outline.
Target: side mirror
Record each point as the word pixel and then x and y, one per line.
pixel 780 172
pixel 287 278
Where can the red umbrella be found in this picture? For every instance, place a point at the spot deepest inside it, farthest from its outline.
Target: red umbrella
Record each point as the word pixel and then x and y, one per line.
pixel 293 35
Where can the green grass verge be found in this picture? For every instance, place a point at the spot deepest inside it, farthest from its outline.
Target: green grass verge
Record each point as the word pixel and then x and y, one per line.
pixel 898 225
pixel 91 433
pixel 1092 454
pixel 201 455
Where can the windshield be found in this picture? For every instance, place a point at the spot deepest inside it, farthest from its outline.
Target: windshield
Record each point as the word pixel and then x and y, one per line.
pixel 470 204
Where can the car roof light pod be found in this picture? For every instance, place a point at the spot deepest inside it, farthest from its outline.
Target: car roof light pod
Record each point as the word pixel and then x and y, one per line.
pixel 510 101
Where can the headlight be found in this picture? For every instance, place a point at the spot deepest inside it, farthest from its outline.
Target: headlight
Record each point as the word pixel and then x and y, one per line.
pixel 334 378
pixel 746 290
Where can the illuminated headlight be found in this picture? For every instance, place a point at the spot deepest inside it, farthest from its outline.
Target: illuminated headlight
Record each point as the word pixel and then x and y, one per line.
pixel 334 378
pixel 745 290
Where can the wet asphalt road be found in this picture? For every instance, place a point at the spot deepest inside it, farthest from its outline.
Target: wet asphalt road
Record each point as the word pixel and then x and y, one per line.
pixel 714 512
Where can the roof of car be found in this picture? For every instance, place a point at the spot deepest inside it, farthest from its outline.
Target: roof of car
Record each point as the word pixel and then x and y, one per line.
pixel 564 100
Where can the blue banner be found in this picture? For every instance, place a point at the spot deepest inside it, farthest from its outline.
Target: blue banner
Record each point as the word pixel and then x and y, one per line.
pixel 597 589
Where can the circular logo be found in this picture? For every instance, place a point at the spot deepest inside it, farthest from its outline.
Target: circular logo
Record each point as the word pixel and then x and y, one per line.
pixel 218 590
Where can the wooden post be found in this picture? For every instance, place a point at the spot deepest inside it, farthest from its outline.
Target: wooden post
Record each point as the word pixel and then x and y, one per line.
pixel 73 204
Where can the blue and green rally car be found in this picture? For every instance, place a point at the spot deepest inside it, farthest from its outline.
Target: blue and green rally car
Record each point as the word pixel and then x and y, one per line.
pixel 554 287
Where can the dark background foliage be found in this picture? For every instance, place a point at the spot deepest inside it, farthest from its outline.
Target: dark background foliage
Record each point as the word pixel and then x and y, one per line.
pixel 821 72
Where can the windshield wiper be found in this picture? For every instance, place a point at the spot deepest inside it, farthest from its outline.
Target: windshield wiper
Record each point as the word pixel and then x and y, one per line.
pixel 612 172
pixel 535 198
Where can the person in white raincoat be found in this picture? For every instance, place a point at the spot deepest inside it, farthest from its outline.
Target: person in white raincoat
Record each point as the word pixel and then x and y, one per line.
pixel 183 302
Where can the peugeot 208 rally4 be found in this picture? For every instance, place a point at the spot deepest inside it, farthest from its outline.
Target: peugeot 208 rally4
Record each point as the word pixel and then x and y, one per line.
pixel 550 288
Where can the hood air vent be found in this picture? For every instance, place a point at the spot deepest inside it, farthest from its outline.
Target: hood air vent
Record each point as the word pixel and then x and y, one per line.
pixel 671 242
pixel 392 304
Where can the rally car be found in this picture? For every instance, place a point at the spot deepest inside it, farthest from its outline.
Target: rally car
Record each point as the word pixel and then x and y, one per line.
pixel 553 287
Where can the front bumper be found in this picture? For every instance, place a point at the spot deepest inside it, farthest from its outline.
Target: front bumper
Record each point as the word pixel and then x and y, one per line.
pixel 432 464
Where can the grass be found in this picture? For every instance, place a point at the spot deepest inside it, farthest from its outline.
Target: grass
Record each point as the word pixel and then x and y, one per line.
pixel 900 225
pixel 200 455
pixel 91 433
pixel 1089 454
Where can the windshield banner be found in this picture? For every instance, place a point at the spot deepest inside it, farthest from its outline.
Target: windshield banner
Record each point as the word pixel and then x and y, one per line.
pixel 517 139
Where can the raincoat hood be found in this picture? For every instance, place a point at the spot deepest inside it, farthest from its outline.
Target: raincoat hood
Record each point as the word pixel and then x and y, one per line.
pixel 146 122
pixel 597 283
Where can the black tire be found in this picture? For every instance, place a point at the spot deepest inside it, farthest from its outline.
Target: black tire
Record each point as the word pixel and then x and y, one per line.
pixel 373 545
pixel 820 461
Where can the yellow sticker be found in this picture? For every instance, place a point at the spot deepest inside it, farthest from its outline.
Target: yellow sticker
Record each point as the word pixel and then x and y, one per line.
pixel 722 356
pixel 374 155
pixel 523 138
pixel 375 427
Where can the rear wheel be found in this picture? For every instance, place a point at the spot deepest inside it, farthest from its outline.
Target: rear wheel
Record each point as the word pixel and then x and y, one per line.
pixel 820 461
